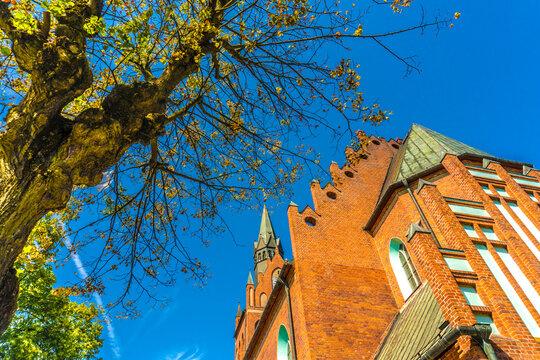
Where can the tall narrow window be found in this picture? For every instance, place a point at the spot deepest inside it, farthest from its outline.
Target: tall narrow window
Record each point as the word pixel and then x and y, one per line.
pixel 520 277
pixel 283 344
pixel 518 229
pixel 525 220
pixel 404 270
pixel 509 290
pixel 410 270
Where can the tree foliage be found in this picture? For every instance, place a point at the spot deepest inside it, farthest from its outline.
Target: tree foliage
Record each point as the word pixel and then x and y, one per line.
pixel 185 105
pixel 48 325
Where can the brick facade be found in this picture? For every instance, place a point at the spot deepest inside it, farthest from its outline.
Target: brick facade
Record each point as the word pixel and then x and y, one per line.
pixel 341 298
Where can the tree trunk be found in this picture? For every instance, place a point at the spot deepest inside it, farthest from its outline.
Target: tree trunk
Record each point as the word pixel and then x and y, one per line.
pixel 43 155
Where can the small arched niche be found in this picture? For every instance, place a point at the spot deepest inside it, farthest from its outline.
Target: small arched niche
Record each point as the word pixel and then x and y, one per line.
pixel 403 267
pixel 263 299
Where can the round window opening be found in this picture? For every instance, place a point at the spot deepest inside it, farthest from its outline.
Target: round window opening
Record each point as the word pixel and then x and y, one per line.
pixel 395 146
pixel 376 142
pixel 349 174
pixel 332 195
pixel 310 221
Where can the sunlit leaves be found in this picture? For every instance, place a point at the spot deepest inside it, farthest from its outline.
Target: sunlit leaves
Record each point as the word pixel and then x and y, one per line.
pixel 247 82
pixel 48 325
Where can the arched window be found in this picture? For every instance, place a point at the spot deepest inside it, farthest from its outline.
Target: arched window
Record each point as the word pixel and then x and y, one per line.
pixel 283 345
pixel 275 275
pixel 404 270
pixel 251 297
pixel 264 299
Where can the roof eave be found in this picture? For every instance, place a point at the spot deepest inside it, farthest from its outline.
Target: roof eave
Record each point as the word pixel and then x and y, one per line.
pixel 398 184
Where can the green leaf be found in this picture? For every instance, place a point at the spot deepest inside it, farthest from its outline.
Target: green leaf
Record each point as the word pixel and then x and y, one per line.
pixel 5 50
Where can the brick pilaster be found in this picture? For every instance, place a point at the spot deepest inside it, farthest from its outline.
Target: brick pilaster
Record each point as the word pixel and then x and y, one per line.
pixel 433 268
pixel 519 250
pixel 443 216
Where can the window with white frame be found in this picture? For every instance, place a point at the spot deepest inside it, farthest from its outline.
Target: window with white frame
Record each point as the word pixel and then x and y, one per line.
pixel 403 267
pixel 283 344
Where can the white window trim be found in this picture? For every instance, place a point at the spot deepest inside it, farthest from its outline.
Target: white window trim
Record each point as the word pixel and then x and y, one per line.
pixel 520 277
pixel 510 292
pixel 518 229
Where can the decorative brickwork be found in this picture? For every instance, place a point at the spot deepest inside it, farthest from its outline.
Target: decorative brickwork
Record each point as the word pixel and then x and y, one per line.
pixel 341 297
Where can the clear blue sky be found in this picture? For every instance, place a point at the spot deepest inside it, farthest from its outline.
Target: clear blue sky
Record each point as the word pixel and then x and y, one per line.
pixel 480 84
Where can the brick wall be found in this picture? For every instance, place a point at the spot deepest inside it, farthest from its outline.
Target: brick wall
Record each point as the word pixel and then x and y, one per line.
pixel 345 293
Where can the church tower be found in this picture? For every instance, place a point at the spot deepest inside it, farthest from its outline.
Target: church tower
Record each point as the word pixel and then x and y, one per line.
pixel 426 249
pixel 268 261
pixel 266 245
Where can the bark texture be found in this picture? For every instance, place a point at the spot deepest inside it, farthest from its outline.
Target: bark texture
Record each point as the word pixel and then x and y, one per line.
pixel 44 155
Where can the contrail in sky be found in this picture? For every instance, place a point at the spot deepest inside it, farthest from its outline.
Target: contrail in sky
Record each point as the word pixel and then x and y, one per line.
pixel 84 275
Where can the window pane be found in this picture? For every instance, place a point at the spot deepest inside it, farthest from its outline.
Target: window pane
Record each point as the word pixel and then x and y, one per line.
pixel 502 191
pixel 469 210
pixel 403 268
pixel 490 234
pixel 457 264
pixel 518 229
pixel 527 182
pixel 525 219
pixel 486 189
pixel 509 290
pixel 484 174
pixel 469 229
pixel 531 195
pixel 520 277
pixel 471 295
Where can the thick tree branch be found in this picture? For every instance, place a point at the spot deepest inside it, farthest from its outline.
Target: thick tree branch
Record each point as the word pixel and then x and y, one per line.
pixel 24 46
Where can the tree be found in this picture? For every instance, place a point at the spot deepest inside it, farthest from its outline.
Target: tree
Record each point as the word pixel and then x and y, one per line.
pixel 48 325
pixel 186 105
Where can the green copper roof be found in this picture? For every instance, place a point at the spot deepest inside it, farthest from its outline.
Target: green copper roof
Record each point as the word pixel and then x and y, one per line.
pixel 423 149
pixel 267 235
pixel 266 230
pixel 419 322
pixel 250 279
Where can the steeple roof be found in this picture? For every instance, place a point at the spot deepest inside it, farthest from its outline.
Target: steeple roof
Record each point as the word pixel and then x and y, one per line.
pixel 267 236
pixel 423 149
pixel 250 279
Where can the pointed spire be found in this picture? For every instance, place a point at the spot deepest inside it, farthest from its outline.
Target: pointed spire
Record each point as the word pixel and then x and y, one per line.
pixel 266 246
pixel 239 311
pixel 250 279
pixel 266 231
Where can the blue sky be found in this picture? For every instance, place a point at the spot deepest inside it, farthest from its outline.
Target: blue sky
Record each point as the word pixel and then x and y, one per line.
pixel 480 84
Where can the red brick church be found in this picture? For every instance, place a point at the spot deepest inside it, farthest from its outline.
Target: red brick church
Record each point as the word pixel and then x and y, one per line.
pixel 425 248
